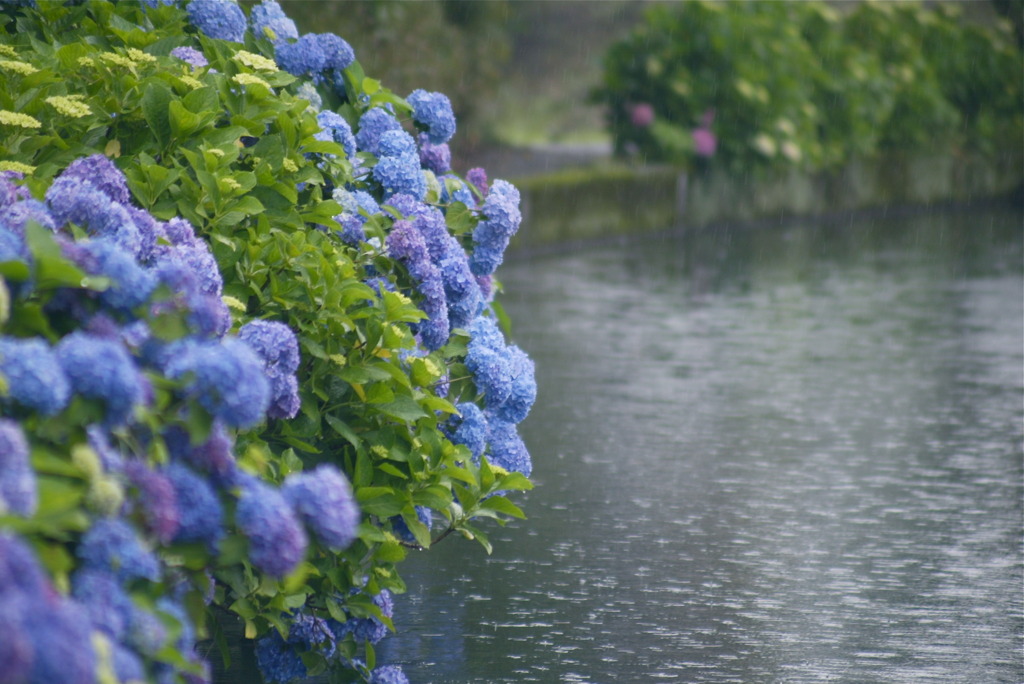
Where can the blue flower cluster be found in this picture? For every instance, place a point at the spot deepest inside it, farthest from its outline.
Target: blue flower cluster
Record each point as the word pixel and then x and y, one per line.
pixel 334 128
pixel 276 345
pixel 504 375
pixel 314 54
pixel 269 21
pixel 277 540
pixel 279 659
pixel 374 123
pixel 398 165
pixel 46 635
pixel 433 111
pixel 17 478
pixel 221 19
pixel 357 206
pixel 501 221
pixel 324 501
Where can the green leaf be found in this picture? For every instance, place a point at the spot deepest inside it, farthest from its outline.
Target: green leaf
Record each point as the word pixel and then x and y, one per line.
pixel 155 102
pixel 344 430
pixel 403 408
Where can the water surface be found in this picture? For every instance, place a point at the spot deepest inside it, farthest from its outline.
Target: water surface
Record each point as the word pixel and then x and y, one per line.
pixel 783 454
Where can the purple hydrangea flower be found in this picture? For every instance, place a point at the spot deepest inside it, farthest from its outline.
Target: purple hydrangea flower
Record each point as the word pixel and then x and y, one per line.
pixel 34 378
pixel 227 378
pixel 460 288
pixel 17 215
pixel 275 343
pixel 191 56
pixel 269 21
pixel 372 124
pixel 20 572
pixel 477 177
pixel 200 513
pixel 277 541
pixel 214 456
pixel 323 499
pixel 406 244
pixel 434 111
pixel 102 369
pixel 60 632
pixel 505 447
pixel 388 674
pixel 437 158
pixel 112 545
pixel 102 174
pixel 491 236
pixel 17 477
pixel 334 128
pixel 221 19
pixel 303 57
pixel 10 191
pixel 180 232
pixel 157 499
pixel 470 428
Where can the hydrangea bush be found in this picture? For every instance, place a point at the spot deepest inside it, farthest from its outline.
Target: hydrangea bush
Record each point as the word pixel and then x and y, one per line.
pixel 249 348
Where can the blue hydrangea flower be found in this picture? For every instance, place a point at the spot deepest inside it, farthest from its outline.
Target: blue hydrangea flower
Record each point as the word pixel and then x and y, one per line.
pixel 437 158
pixel 491 373
pixel 157 499
pixel 128 665
pixel 454 189
pixel 17 215
pixel 34 378
pixel 307 91
pixel 323 499
pixel 191 56
pixel 102 369
pixel 334 128
pixel 180 232
pixel 199 511
pixel 470 428
pixel 130 284
pixel 434 111
pixel 110 458
pixel 214 456
pixel 388 674
pixel 146 632
pixel 398 168
pixel 401 529
pixel 17 477
pixel 112 545
pixel 524 387
pixel 372 124
pixel 278 661
pixel 60 632
pixel 491 236
pixel 460 288
pixel 366 629
pixel 303 57
pixel 12 246
pixel 352 218
pixel 99 591
pixel 150 232
pixel 221 19
pixel 269 21
pixel 227 378
pixel 277 541
pixel 505 447
pixel 338 54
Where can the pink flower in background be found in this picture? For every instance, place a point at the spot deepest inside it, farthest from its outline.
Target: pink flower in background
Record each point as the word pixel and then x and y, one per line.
pixel 642 115
pixel 704 141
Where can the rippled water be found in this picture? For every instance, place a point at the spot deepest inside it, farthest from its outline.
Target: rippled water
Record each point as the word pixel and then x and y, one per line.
pixel 783 454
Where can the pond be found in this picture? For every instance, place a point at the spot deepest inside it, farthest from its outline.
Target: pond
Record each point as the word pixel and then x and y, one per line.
pixel 784 453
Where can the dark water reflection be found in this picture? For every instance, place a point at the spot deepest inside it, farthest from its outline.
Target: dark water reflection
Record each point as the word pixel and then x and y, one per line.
pixel 788 454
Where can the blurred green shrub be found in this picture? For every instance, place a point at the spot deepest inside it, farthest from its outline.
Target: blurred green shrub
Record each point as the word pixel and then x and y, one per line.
pixel 752 85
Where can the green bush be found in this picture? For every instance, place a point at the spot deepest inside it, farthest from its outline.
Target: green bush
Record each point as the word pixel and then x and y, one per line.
pixel 800 84
pixel 283 183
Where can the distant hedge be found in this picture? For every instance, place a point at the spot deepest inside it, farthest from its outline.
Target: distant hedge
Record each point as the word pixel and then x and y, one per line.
pixel 746 85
